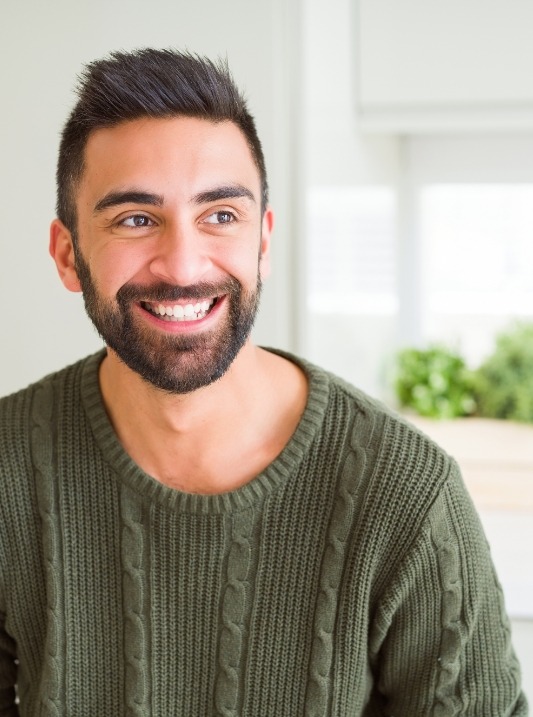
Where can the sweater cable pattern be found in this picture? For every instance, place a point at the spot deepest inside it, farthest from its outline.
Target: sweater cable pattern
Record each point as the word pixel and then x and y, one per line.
pixel 330 580
pixel 135 606
pixel 42 455
pixel 452 638
pixel 233 612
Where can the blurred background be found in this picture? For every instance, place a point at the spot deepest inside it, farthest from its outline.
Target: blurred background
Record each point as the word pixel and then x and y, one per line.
pixel 399 144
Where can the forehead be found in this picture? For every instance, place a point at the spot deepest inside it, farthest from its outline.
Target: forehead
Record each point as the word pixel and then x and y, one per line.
pixel 181 155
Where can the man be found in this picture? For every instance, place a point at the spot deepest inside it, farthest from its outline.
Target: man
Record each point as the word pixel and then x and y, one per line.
pixel 189 524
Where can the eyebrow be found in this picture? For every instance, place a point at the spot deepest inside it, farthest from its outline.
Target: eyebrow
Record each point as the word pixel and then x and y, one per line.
pixel 230 191
pixel 129 196
pixel 133 196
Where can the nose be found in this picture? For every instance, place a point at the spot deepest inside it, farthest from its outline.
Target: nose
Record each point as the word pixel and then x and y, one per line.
pixel 180 257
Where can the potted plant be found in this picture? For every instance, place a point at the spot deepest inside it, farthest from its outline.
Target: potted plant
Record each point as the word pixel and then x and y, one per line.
pixel 503 384
pixel 434 382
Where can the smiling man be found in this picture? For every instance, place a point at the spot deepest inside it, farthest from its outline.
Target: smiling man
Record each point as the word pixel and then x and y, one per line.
pixel 177 217
pixel 190 524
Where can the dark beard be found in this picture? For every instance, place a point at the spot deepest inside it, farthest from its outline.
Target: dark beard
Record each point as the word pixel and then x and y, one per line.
pixel 176 363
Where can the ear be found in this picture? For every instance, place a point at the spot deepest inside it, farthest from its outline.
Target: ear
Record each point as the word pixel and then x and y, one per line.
pixel 62 252
pixel 266 233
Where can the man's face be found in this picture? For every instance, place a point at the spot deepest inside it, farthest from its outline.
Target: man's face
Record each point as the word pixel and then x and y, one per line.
pixel 171 246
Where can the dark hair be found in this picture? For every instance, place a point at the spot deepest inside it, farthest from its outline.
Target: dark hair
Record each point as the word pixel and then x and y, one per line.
pixel 148 83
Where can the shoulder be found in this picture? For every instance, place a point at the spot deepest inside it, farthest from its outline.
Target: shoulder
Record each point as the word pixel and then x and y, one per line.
pixel 393 481
pixel 24 395
pixel 396 467
pixel 25 413
pixel 374 426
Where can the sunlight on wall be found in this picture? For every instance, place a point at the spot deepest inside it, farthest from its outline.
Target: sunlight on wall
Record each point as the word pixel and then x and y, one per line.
pixel 477 254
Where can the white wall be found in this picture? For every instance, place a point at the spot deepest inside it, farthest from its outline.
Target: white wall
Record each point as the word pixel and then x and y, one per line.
pixel 473 53
pixel 445 64
pixel 337 154
pixel 42 47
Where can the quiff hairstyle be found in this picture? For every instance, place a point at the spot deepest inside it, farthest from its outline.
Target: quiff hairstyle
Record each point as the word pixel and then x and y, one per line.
pixel 148 83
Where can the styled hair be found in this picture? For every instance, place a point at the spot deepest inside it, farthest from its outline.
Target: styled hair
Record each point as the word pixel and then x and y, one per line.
pixel 148 83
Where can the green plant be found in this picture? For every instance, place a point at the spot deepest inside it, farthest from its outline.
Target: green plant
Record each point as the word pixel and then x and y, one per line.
pixel 434 382
pixel 504 382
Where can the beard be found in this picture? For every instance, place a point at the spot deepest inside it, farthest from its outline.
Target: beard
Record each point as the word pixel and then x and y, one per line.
pixel 175 363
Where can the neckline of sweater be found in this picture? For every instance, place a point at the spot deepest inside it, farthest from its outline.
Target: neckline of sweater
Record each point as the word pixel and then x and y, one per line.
pixel 282 469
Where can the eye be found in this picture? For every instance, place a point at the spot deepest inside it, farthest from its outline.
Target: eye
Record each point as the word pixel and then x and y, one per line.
pixel 220 218
pixel 137 221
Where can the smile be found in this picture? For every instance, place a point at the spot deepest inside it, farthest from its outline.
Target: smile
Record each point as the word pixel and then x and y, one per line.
pixel 180 312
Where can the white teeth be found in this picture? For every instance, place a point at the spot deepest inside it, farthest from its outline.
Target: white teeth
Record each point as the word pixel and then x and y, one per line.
pixel 180 312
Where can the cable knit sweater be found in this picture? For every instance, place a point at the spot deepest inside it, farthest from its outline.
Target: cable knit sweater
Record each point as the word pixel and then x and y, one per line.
pixel 350 578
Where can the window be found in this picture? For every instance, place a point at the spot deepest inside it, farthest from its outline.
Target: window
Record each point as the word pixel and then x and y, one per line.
pixel 351 298
pixel 477 259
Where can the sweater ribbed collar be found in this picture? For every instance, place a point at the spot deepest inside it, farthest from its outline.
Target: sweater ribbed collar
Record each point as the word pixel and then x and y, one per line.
pixel 282 469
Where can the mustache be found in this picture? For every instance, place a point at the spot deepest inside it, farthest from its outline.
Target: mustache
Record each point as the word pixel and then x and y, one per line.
pixel 170 292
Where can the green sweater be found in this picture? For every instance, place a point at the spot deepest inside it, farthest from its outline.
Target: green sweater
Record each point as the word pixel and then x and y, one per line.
pixel 350 578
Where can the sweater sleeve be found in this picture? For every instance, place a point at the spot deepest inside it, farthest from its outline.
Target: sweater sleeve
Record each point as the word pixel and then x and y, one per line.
pixel 440 644
pixel 8 673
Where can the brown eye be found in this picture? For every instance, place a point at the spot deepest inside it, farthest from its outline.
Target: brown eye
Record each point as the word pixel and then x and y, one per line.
pixel 138 221
pixel 220 218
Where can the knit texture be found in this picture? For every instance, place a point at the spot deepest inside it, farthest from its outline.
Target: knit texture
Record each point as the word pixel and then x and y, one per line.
pixel 350 578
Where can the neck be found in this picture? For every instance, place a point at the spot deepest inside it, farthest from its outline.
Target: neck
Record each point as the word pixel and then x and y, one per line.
pixel 212 440
pixel 129 398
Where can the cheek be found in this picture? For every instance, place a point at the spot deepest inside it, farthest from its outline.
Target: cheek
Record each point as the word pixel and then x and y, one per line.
pixel 240 258
pixel 113 269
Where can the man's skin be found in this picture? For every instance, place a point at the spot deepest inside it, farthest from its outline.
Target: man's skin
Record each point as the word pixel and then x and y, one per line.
pixel 218 437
